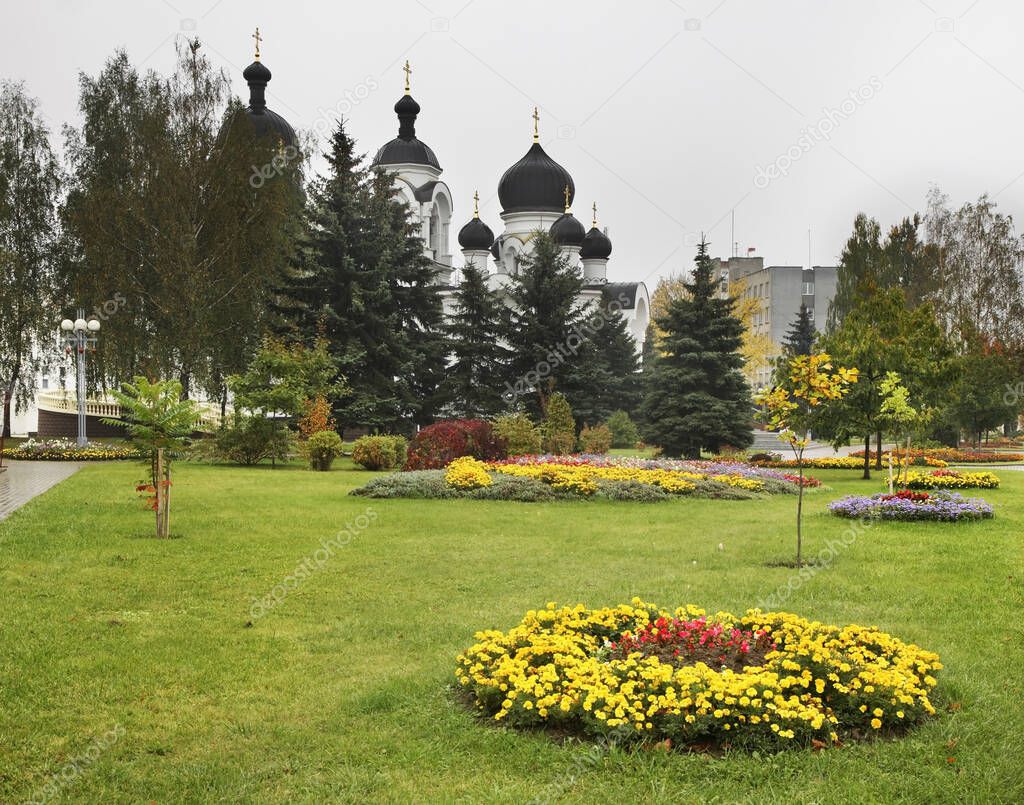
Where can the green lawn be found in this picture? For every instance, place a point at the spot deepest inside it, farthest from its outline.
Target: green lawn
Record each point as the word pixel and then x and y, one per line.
pixel 341 692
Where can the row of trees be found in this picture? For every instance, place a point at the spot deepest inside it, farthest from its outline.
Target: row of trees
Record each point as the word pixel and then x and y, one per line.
pixel 153 225
pixel 937 302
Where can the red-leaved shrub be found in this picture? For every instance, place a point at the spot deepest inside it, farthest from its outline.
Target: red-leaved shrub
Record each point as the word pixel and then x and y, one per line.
pixel 439 444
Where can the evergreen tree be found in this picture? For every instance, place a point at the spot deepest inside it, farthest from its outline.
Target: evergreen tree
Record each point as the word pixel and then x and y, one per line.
pixel 697 396
pixel 363 283
pixel 473 384
pixel 542 324
pixel 799 339
pixel 559 427
pixel 861 261
pixel 605 375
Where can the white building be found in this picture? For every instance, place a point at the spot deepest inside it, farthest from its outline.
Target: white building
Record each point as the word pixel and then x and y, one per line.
pixel 536 193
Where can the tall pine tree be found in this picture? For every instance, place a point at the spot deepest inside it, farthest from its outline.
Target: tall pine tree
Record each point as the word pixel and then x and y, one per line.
pixel 542 325
pixel 472 387
pixel 697 396
pixel 363 283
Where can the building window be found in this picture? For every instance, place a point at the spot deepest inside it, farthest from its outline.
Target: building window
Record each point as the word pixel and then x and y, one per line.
pixel 808 289
pixel 810 313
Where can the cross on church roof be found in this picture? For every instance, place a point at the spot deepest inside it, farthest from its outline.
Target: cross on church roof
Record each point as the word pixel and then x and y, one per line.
pixel 536 125
pixel 595 215
pixel 476 204
pixel 258 39
pixel 567 194
pixel 408 71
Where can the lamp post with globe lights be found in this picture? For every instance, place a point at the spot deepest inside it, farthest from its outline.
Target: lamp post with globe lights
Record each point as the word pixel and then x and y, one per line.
pixel 80 335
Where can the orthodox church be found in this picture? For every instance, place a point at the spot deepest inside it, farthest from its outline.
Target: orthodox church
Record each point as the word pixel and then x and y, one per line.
pixel 536 193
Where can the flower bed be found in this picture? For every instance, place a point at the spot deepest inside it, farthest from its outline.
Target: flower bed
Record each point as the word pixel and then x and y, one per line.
pixel 829 463
pixel 531 478
pixel 951 479
pixel 639 672
pixel 67 450
pixel 948 455
pixel 908 505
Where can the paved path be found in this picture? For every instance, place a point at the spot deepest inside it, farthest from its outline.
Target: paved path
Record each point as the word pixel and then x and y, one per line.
pixel 23 480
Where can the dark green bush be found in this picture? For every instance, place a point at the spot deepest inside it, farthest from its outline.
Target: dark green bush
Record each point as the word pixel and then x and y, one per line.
pixel 251 439
pixel 625 433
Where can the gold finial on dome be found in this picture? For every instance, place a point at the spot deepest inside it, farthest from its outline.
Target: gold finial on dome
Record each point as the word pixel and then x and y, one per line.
pixel 594 223
pixel 408 72
pixel 536 125
pixel 258 39
pixel 476 204
pixel 568 193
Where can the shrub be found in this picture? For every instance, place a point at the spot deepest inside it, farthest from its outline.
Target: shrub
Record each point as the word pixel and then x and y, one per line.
pixel 440 444
pixel 251 439
pixel 521 436
pixel 625 433
pixel 559 428
pixel 316 417
pixel 428 484
pixel 631 491
pixel 380 452
pixel 510 487
pixel 595 440
pixel 322 448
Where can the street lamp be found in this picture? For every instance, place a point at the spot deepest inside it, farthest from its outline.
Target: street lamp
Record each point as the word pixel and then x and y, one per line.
pixel 78 336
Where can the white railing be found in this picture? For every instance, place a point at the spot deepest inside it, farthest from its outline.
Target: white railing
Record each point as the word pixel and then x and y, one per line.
pixel 65 402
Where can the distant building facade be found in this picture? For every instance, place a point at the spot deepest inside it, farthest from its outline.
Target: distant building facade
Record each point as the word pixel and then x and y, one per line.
pixel 781 290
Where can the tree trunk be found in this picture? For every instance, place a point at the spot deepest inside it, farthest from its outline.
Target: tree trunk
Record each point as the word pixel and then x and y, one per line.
pixel 878 451
pixel 867 458
pixel 799 510
pixel 6 431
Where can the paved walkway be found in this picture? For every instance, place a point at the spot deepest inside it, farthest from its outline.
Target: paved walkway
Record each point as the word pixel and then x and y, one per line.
pixel 23 480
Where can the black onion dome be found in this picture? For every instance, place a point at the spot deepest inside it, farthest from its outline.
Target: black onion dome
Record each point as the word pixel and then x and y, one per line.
pixel 536 183
pixel 567 230
pixel 596 244
pixel 265 121
pixel 405 148
pixel 476 235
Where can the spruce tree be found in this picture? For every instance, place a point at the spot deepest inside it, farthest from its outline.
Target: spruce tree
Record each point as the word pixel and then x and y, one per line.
pixel 363 284
pixel 799 339
pixel 542 324
pixel 697 396
pixel 473 384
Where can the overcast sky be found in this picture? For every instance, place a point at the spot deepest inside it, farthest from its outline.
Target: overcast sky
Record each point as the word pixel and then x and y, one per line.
pixel 670 115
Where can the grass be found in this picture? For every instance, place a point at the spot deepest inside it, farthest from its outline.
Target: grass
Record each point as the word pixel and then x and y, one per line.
pixel 340 692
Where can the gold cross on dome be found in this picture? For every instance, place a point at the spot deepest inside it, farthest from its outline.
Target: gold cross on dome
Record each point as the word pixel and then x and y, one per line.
pixel 408 71
pixel 595 215
pixel 567 194
pixel 536 125
pixel 476 204
pixel 258 39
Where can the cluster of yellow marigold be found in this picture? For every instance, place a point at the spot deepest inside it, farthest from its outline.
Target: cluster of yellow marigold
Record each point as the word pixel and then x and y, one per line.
pixel 583 479
pixel 556 668
pixel 953 480
pixel 467 473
